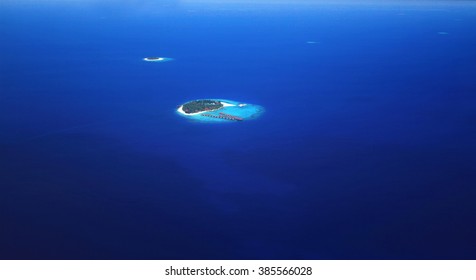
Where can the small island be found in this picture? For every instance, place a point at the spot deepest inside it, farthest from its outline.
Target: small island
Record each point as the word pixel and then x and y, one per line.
pixel 218 110
pixel 157 59
pixel 201 106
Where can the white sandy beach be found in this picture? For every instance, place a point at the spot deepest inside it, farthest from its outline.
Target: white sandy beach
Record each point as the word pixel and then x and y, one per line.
pixel 227 104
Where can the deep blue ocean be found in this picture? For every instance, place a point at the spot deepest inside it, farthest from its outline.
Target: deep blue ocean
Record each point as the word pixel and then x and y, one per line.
pixel 366 150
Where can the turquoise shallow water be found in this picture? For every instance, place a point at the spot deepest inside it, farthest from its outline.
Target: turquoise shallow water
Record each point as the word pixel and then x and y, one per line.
pixel 242 110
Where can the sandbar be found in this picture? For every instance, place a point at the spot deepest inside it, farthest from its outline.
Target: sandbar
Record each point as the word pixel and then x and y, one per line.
pixel 157 59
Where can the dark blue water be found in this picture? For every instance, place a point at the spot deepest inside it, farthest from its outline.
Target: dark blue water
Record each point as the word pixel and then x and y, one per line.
pixel 366 149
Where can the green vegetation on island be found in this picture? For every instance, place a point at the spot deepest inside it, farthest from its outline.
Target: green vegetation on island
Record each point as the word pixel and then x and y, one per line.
pixel 203 105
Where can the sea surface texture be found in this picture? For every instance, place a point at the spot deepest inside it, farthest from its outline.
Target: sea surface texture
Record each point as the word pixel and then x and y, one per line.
pixel 366 150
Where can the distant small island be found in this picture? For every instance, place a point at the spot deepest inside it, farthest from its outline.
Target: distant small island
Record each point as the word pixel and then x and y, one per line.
pixel 157 59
